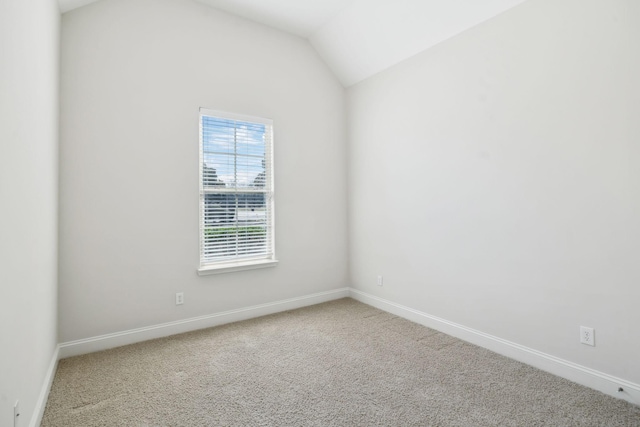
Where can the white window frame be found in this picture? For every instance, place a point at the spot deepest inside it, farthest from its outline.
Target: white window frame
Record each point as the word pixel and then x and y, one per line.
pixel 262 261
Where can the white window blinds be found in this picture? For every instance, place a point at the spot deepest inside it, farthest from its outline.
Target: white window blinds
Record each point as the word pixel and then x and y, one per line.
pixel 236 189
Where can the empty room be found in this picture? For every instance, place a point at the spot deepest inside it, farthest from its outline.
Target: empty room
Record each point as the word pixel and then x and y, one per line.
pixel 319 213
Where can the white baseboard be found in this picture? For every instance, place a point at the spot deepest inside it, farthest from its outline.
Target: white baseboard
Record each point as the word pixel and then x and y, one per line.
pixel 563 368
pixel 103 342
pixel 41 403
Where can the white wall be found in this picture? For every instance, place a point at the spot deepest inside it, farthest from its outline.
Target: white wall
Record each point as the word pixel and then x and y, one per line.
pixel 369 36
pixel 494 180
pixel 134 73
pixel 29 40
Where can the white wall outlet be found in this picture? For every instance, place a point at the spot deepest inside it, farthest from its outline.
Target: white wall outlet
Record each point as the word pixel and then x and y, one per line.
pixel 587 336
pixel 379 280
pixel 16 413
pixel 179 298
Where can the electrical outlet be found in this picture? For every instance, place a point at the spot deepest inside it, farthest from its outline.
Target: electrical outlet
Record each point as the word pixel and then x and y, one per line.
pixel 379 280
pixel 179 298
pixel 587 336
pixel 16 413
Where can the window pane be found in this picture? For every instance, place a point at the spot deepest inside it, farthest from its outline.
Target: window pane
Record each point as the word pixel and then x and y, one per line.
pixel 217 135
pixel 250 139
pixel 236 225
pixel 248 171
pixel 236 197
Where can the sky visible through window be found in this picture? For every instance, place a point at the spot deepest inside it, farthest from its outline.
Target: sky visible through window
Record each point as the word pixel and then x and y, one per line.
pixel 234 149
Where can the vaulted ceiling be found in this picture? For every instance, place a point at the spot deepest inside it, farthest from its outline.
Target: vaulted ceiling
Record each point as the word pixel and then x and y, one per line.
pixel 360 38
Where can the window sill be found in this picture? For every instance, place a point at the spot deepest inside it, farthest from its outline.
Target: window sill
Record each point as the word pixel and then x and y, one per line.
pixel 230 267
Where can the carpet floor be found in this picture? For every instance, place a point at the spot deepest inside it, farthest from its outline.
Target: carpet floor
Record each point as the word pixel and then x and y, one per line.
pixel 341 363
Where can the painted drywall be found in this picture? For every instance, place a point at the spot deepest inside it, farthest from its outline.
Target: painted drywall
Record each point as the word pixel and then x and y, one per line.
pixel 494 178
pixel 133 75
pixel 369 36
pixel 302 18
pixel 29 52
pixel 360 38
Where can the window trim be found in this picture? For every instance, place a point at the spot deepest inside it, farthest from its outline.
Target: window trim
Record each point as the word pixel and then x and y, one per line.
pixel 230 267
pixel 236 265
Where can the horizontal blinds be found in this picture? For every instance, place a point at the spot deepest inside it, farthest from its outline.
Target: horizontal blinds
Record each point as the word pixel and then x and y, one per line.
pixel 236 189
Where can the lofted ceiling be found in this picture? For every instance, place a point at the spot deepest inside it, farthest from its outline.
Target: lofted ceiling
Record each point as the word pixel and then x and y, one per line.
pixel 360 38
pixel 300 17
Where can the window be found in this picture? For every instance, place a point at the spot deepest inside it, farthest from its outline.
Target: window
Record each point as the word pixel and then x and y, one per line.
pixel 236 192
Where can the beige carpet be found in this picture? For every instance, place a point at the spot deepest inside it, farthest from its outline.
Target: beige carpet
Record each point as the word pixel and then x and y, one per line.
pixel 341 363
